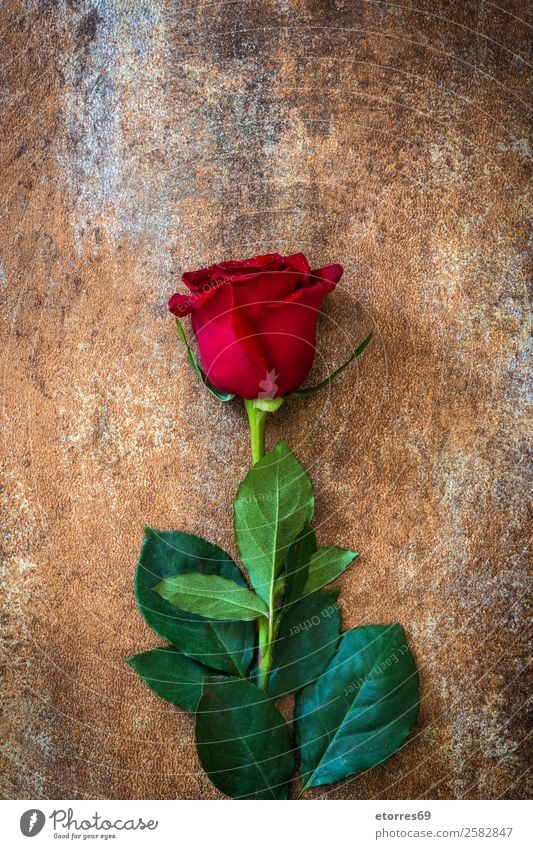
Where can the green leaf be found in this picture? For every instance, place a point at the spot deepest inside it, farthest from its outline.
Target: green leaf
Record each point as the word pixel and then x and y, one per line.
pixel 297 565
pixel 171 675
pixel 326 565
pixel 225 646
pixel 361 709
pixel 243 742
pixel 307 640
pixel 212 596
pixel 273 503
pixel 305 393
pixel 222 396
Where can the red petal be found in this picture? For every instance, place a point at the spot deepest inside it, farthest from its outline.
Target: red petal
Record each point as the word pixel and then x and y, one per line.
pixel 180 305
pixel 231 269
pixel 230 352
pixel 329 274
pixel 288 333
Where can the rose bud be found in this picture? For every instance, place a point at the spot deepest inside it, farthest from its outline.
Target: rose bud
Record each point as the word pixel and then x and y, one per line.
pixel 255 321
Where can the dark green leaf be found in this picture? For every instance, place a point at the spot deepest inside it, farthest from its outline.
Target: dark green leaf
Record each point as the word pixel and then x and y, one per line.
pixel 305 393
pixel 273 503
pixel 307 640
pixel 171 675
pixel 326 565
pixel 222 396
pixel 361 709
pixel 243 742
pixel 297 565
pixel 227 646
pixel 212 596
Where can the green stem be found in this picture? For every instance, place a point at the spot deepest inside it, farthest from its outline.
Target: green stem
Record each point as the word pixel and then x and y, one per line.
pixel 257 411
pixel 257 419
pixel 265 653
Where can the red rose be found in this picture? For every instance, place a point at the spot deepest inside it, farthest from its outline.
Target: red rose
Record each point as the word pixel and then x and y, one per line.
pixel 255 321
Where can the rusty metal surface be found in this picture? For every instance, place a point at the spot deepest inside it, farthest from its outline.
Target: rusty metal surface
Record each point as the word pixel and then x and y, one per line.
pixel 144 138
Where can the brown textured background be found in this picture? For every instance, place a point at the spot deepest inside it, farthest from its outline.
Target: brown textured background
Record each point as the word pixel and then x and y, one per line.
pixel 141 139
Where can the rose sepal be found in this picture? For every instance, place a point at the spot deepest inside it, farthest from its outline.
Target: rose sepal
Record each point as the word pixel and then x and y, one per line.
pixel 305 393
pixel 222 396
